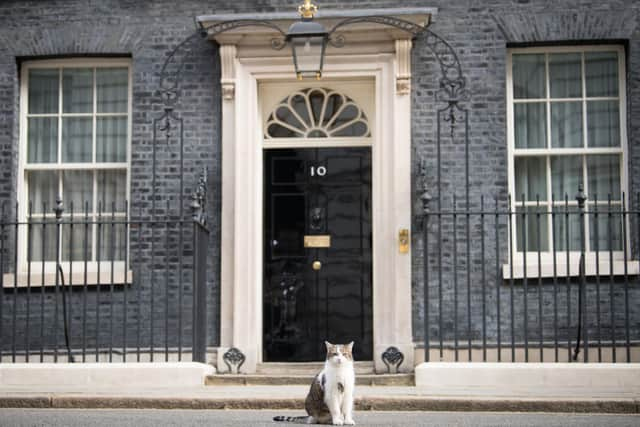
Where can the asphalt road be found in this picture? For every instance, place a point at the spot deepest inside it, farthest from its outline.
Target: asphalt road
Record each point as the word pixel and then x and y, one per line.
pixel 183 418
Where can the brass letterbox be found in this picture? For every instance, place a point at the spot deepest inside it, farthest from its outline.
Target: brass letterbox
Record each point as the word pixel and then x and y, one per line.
pixel 317 241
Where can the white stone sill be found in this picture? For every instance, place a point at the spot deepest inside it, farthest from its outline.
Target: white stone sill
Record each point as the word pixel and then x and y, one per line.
pixel 77 279
pixel 546 269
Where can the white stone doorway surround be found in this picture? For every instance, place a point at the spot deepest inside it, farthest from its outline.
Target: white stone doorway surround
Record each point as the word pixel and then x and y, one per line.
pixel 371 53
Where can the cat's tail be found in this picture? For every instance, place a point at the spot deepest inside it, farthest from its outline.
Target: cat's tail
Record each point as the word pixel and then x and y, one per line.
pixel 300 420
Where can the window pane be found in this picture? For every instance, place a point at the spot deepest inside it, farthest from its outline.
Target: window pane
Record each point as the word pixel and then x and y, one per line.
pixel 43 235
pixel 81 233
pixel 601 70
pixel 111 139
pixel 528 76
pixel 561 239
pixel 334 103
pixel 531 178
pixel 112 87
pixel 299 104
pixel 566 124
pixel 77 90
pixel 277 131
pixel 566 175
pixel 77 188
pixel 603 172
pixel 565 75
pixel 531 125
pixel 42 136
pixel 43 188
pixel 76 139
pixel 316 99
pixel 605 228
pixel 603 123
pixel 112 189
pixel 358 128
pixel 531 224
pixel 43 91
pixel 286 115
pixel 112 240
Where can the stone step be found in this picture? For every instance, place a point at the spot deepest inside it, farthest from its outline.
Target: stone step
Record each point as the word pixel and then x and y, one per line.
pixel 306 368
pixel 290 379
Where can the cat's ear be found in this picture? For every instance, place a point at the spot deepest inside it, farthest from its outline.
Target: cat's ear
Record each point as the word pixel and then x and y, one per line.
pixel 328 345
pixel 350 347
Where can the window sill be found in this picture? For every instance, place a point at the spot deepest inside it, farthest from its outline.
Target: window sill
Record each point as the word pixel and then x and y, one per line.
pixel 546 269
pixel 76 280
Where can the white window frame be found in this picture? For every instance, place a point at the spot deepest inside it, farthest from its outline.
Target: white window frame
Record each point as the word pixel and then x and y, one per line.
pixel 534 269
pixel 120 271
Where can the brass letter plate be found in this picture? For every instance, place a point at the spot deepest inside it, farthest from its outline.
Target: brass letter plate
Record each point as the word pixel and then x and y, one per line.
pixel 317 241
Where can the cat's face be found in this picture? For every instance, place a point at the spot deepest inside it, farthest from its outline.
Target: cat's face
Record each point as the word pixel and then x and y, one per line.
pixel 339 354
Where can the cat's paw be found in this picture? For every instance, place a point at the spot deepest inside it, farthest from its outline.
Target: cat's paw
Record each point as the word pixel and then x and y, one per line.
pixel 349 422
pixel 337 422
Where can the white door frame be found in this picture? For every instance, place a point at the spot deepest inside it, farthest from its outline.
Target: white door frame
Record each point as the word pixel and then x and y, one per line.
pixel 242 193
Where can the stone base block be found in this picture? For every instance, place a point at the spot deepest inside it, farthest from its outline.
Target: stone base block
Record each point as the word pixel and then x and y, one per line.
pixel 161 375
pixel 528 379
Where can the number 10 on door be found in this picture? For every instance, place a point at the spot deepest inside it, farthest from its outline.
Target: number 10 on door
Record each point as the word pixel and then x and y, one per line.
pixel 320 171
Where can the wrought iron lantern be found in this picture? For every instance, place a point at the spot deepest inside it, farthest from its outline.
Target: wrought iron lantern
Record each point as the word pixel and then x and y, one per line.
pixel 308 40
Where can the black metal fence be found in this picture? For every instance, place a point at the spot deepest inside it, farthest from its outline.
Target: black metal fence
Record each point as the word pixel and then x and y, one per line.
pixel 103 286
pixel 526 281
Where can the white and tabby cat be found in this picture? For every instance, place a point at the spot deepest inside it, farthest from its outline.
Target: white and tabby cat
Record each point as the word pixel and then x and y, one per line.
pixel 330 398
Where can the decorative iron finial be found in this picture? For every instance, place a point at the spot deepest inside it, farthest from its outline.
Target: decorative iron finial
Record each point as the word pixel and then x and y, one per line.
pixel 167 127
pixel 199 198
pixel 307 10
pixel 426 199
pixel 59 208
pixel 195 206
pixel 581 197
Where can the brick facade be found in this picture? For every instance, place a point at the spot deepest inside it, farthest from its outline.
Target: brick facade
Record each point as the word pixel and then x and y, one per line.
pixel 479 32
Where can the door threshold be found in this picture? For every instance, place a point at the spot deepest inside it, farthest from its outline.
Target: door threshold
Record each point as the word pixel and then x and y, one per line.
pixel 307 368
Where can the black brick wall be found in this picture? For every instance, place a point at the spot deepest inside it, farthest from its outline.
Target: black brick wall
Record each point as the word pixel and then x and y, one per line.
pixel 479 31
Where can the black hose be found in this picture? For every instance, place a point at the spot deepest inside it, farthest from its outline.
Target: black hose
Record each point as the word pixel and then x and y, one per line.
pixel 64 315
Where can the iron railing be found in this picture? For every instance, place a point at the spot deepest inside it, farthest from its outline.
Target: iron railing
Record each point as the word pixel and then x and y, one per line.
pixel 572 295
pixel 110 287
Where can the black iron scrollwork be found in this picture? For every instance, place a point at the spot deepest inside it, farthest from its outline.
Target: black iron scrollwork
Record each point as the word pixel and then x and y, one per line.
pixel 392 357
pixel 221 27
pixel 452 90
pixel 234 359
pixel 391 21
pixel 277 43
pixel 172 69
pixel 453 85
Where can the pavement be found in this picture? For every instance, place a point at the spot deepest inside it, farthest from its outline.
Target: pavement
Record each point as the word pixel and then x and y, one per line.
pixel 368 398
pixel 182 418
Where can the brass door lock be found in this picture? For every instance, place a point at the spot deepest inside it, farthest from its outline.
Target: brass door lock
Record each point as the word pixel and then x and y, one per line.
pixel 317 265
pixel 403 241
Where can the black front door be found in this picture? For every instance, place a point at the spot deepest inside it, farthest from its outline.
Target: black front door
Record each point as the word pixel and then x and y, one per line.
pixel 317 252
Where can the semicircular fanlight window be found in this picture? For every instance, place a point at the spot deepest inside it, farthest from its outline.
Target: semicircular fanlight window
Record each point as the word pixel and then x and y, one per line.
pixel 317 113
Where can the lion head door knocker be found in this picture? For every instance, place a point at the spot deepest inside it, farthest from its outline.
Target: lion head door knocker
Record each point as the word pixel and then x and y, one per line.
pixel 317 219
